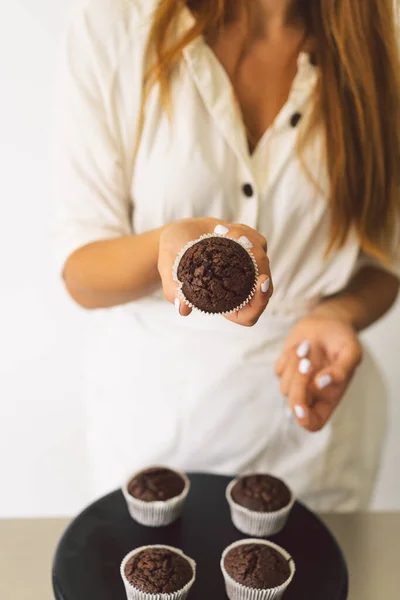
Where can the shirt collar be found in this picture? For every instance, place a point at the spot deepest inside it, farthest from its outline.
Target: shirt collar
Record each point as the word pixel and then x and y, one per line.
pixel 217 92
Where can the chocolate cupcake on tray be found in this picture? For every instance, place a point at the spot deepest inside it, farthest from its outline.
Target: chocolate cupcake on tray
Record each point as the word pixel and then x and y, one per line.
pixel 260 504
pixel 256 570
pixel 155 496
pixel 157 572
pixel 216 274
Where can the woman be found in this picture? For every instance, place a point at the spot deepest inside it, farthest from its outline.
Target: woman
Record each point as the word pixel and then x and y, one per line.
pixel 181 119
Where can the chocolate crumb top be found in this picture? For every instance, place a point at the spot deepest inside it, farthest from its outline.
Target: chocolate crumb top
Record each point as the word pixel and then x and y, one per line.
pixel 261 493
pixel 257 566
pixel 158 571
pixel 217 274
pixel 156 484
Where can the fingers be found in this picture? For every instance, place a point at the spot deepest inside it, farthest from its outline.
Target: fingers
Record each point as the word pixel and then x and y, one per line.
pixel 295 382
pixel 321 413
pixel 302 351
pixel 348 359
pixel 297 368
pixel 238 231
pixel 254 242
pixel 182 309
pixel 281 364
pixel 326 389
pixel 261 297
pixel 341 370
pixel 257 244
pixel 171 294
pixel 329 384
pixel 249 315
pixel 314 376
pixel 249 237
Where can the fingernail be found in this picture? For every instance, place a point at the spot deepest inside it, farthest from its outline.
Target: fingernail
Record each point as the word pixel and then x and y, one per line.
pixel 303 349
pixel 221 230
pixel 300 412
pixel 245 242
pixel 324 381
pixel 178 306
pixel 265 286
pixel 304 366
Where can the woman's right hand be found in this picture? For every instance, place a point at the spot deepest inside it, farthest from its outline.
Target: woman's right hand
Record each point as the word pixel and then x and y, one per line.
pixel 176 235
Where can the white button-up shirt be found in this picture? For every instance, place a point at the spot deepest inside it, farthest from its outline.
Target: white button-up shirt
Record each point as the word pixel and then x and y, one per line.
pixel 214 392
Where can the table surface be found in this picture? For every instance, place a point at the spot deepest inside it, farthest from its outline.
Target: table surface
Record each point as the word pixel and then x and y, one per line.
pixel 370 542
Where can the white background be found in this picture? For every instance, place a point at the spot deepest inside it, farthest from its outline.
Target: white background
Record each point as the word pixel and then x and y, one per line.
pixel 42 452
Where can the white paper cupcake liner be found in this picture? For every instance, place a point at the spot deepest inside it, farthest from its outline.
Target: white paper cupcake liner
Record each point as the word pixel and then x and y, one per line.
pixel 237 591
pixel 261 524
pixel 157 513
pixel 133 593
pixel 179 258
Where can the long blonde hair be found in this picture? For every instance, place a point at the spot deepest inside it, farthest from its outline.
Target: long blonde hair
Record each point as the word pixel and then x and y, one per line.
pixel 358 100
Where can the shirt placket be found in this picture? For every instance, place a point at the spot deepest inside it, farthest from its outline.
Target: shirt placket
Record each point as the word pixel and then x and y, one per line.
pixel 258 173
pixel 217 94
pixel 279 143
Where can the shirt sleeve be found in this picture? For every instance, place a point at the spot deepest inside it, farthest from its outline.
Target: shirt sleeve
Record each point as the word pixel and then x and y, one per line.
pixel 92 196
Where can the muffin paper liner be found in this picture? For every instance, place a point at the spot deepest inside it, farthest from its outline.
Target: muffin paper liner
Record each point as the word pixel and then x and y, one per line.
pixel 157 513
pixel 237 591
pixel 261 524
pixel 133 593
pixel 178 259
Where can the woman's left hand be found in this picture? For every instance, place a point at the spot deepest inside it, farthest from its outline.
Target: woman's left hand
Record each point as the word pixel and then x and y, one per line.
pixel 320 357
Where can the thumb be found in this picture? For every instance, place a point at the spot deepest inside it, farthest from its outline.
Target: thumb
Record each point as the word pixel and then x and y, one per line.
pixel 181 308
pixel 171 293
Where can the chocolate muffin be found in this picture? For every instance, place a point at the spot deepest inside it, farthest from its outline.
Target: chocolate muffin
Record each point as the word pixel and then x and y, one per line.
pixel 261 493
pixel 156 484
pixel 257 566
pixel 217 275
pixel 158 570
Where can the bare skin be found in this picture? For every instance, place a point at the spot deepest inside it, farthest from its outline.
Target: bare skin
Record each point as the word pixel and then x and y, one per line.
pixel 261 68
pixel 335 350
pixel 113 272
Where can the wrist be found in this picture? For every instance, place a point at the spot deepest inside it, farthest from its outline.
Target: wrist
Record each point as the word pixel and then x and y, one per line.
pixel 343 310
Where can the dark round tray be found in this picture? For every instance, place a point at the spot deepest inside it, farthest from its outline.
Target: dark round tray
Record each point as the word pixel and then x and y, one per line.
pixel 88 557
